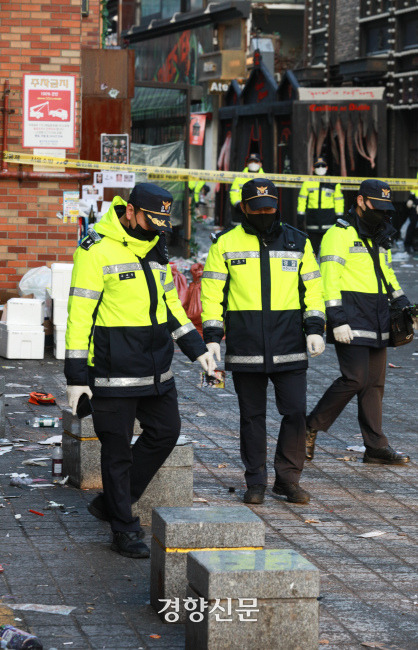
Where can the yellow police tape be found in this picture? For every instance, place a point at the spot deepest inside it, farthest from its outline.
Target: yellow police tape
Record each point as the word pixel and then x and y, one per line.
pixel 214 176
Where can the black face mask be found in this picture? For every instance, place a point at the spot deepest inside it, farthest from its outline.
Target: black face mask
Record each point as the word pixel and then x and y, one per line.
pixel 373 219
pixel 140 233
pixel 262 221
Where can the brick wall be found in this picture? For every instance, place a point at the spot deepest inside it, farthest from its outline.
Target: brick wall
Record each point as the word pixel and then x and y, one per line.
pixel 43 37
pixel 346 30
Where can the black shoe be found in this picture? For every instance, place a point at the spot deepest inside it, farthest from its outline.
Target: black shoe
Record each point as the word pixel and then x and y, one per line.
pixel 129 544
pixel 310 442
pixel 97 508
pixel 293 492
pixel 255 494
pixel 384 456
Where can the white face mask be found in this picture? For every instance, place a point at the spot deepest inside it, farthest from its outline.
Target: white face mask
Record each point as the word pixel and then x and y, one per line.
pixel 253 167
pixel 320 171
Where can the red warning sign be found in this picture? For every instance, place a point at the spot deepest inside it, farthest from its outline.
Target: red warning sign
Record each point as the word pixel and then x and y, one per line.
pixel 49 105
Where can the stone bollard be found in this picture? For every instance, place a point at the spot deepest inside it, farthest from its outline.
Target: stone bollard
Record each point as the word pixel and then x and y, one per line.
pixel 177 531
pixel 260 599
pixel 172 484
pixel 2 410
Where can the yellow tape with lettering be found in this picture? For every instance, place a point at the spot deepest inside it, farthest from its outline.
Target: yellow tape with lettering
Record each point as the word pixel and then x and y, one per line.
pixel 215 176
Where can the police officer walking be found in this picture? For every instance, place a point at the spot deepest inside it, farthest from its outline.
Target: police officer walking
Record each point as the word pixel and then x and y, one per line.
pixel 319 205
pixel 253 165
pixel 123 314
pixel 358 318
pixel 262 283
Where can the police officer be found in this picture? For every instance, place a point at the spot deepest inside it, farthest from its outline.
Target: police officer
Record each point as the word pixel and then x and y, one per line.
pixel 253 165
pixel 262 283
pixel 123 314
pixel 358 318
pixel 319 205
pixel 196 188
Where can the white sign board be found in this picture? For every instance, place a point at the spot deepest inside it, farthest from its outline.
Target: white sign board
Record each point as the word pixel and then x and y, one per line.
pixel 49 111
pixel 342 94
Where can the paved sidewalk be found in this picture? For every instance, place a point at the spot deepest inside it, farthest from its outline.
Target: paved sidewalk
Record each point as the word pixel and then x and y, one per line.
pixel 369 589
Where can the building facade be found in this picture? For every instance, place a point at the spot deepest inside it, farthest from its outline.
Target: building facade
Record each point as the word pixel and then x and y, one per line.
pixel 369 43
pixel 45 39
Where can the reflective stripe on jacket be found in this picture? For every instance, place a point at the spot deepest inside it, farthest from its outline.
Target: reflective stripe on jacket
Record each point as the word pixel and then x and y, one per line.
pixel 267 294
pixel 320 202
pixel 123 314
pixel 353 292
pixel 235 194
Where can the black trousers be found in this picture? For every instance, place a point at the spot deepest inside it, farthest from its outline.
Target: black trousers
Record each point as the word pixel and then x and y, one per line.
pixel 290 390
pixel 126 470
pixel 409 237
pixel 363 372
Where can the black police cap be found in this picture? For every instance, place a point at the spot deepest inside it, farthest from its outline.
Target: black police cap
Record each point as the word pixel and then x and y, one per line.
pixel 155 202
pixel 260 193
pixel 378 192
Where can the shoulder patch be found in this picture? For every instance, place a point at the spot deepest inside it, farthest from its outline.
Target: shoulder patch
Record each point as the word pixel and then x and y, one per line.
pixel 342 223
pixel 215 235
pixel 92 238
pixel 300 232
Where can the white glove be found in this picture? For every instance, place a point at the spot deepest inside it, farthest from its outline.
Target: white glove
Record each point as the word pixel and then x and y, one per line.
pixel 208 363
pixel 315 344
pixel 74 393
pixel 343 334
pixel 214 349
pixel 415 323
pixel 409 203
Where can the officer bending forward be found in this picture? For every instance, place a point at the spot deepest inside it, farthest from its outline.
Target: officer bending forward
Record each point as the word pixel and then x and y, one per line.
pixel 262 282
pixel 123 313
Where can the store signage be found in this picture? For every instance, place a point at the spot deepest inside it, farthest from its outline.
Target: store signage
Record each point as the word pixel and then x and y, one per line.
pixel 197 128
pixel 49 111
pixel 338 108
pixel 341 94
pixel 218 87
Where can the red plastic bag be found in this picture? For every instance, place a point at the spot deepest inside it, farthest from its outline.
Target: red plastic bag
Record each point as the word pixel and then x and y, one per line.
pixel 180 282
pixel 194 304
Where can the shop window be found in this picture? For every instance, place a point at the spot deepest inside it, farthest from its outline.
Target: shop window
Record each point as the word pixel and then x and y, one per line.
pixel 196 4
pixel 409 31
pixel 150 8
pixel 169 8
pixel 318 49
pixel 375 37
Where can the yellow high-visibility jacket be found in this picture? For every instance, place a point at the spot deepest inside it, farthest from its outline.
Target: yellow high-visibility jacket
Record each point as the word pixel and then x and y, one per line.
pixel 267 294
pixel 321 203
pixel 195 189
pixel 354 294
pixel 236 188
pixel 123 313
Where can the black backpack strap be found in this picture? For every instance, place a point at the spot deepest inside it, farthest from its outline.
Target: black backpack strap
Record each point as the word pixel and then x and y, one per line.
pixel 378 269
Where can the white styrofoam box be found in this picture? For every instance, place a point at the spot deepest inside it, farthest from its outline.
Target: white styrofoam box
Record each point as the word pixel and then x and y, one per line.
pixel 22 341
pixel 25 311
pixel 61 280
pixel 59 312
pixel 48 302
pixel 59 341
